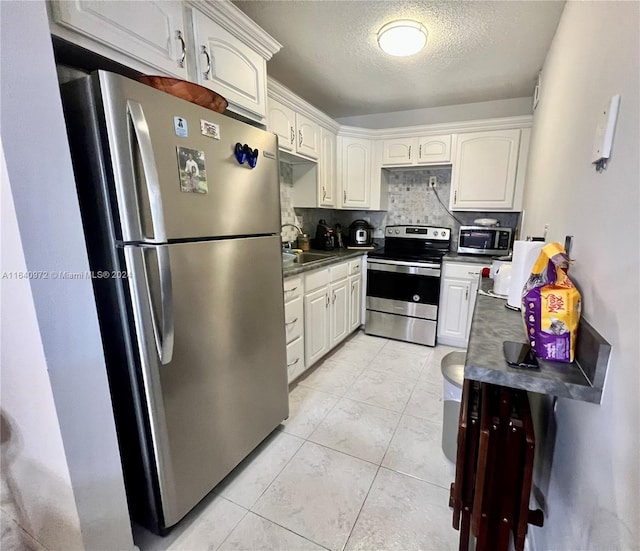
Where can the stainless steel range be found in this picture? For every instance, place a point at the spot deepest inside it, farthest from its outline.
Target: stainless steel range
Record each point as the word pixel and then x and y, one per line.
pixel 403 283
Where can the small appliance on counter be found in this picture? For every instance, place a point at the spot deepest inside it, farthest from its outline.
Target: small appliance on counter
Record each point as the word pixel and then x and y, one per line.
pixel 525 254
pixel 338 239
pixel 484 240
pixel 502 280
pixel 324 236
pixel 360 235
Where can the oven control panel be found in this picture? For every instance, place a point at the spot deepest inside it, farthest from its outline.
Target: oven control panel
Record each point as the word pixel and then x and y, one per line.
pixel 418 232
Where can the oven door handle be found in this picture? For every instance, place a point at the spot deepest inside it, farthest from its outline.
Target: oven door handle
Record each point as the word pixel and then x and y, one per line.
pixel 402 268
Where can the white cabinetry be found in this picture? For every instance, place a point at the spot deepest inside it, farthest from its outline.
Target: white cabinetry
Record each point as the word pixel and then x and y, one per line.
pixel 484 171
pixel 332 306
pixel 296 133
pixel 317 301
pixel 355 172
pixel 458 290
pixel 355 294
pixel 294 326
pixel 417 151
pixel 230 67
pixel 149 36
pixel 327 169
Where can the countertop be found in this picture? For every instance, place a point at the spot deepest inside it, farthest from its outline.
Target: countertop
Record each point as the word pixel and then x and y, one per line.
pixel 470 258
pixel 493 323
pixel 337 255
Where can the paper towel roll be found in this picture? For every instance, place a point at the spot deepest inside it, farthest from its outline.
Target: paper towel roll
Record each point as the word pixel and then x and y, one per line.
pixel 525 254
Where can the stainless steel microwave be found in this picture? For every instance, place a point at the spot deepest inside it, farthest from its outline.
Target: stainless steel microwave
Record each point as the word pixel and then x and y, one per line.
pixel 483 240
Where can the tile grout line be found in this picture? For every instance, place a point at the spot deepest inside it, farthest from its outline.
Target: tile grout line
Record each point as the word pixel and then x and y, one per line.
pixel 246 512
pixel 288 530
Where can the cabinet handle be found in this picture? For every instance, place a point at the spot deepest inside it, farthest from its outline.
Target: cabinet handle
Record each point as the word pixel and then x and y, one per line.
pixel 420 152
pixel 455 196
pixel 205 74
pixel 333 298
pixel 409 152
pixel 466 294
pixel 324 193
pixel 291 322
pixel 293 362
pixel 353 287
pixel 184 48
pixel 328 301
pixel 344 194
pixel 300 137
pixel 291 290
pixel 473 273
pixel 293 135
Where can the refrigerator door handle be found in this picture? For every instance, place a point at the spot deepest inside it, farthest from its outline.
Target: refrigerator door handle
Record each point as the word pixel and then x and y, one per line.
pixel 141 129
pixel 163 329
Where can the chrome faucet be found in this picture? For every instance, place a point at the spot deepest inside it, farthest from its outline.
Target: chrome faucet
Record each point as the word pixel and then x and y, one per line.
pixel 287 244
pixel 293 226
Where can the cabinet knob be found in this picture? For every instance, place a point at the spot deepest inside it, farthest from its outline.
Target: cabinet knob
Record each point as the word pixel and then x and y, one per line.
pixel 184 48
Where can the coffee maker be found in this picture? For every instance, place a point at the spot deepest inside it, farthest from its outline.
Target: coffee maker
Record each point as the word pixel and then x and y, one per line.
pixel 324 236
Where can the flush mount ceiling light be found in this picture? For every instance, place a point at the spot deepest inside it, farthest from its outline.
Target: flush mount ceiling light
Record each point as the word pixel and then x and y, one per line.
pixel 402 37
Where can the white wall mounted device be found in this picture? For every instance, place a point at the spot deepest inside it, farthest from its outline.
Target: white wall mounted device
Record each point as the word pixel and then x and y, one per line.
pixel 604 133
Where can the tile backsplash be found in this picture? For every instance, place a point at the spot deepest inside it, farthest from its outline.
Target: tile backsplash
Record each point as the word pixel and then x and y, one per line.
pixel 411 201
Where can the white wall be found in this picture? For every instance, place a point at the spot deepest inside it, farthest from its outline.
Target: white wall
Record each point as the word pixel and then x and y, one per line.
pixel 592 487
pixel 448 113
pixel 42 184
pixel 36 488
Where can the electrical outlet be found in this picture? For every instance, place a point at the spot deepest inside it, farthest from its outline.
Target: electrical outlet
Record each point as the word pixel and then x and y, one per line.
pixel 433 181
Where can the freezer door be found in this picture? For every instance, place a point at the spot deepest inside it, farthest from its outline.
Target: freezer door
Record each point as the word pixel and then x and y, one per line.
pixel 223 387
pixel 174 180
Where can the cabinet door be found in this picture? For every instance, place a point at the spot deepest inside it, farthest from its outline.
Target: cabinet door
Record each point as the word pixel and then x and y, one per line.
pixel 327 169
pixel 316 325
pixel 454 311
pixel 400 151
pixel 295 359
pixel 355 303
pixel 355 172
pixel 144 31
pixel 281 121
pixel 434 149
pixel 308 137
pixel 229 67
pixel 484 170
pixel 339 311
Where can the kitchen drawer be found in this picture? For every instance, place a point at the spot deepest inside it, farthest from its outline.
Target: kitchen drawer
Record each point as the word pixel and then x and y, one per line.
pixel 295 358
pixel 340 271
pixel 355 267
pixel 293 319
pixel 292 288
pixel 463 271
pixel 315 280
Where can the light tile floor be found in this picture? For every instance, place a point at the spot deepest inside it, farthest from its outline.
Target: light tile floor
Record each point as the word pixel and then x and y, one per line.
pixel 358 465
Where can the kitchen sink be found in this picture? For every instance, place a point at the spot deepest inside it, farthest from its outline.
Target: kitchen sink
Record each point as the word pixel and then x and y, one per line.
pixel 305 258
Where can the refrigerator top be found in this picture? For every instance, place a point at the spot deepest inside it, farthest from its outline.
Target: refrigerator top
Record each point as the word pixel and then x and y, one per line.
pixel 174 173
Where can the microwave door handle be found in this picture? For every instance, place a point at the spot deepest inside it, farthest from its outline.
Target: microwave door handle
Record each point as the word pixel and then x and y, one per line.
pixel 152 180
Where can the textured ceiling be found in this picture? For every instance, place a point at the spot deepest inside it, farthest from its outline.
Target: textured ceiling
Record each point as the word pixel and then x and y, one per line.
pixel 476 51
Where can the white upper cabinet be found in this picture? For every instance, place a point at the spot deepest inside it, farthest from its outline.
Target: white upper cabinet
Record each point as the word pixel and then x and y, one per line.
pixel 148 36
pixel 434 149
pixel 296 133
pixel 327 169
pixel 228 66
pixel 484 171
pixel 307 137
pixel 414 151
pixel 282 122
pixel 355 172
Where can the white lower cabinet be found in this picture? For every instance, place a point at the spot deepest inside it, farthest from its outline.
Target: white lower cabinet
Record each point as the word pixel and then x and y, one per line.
pixel 355 306
pixel 458 291
pixel 316 324
pixel 295 358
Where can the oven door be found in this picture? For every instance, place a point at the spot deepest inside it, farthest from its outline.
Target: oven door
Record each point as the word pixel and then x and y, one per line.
pixel 403 288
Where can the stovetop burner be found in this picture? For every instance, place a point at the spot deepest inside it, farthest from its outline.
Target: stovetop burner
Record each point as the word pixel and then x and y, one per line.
pixel 414 244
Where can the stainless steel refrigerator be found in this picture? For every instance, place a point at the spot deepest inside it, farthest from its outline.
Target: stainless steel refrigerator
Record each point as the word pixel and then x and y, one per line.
pixel 183 237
